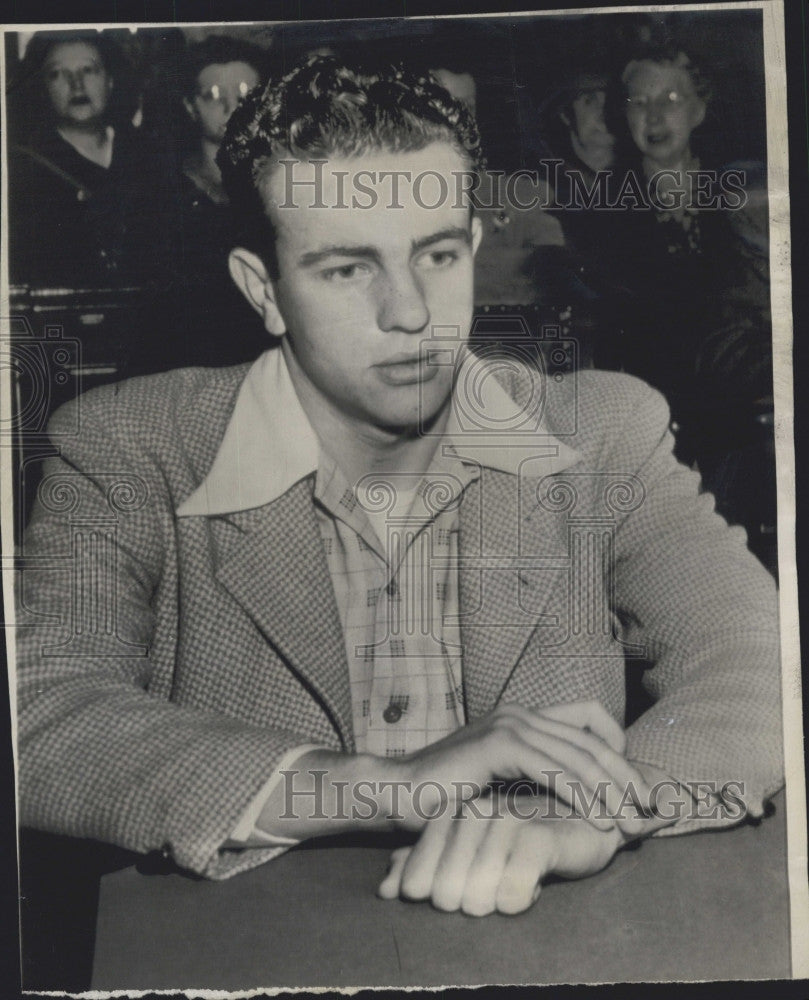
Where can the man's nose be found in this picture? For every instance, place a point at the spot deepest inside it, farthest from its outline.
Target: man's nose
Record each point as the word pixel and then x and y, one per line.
pixel 402 305
pixel 76 82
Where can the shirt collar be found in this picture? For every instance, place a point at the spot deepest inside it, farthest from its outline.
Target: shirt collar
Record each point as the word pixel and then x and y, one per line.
pixel 255 464
pixel 489 428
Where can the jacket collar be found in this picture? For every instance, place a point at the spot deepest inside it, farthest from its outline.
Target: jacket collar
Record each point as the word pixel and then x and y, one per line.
pixel 255 464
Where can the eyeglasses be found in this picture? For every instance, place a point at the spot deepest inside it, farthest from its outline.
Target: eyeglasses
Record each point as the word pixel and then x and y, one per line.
pixel 220 95
pixel 643 102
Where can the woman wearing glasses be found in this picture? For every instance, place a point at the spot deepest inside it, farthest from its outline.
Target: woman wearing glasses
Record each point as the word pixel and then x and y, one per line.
pixel 218 74
pixel 702 330
pixel 200 318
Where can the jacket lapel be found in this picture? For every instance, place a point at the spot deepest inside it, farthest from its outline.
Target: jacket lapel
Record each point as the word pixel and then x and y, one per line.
pixel 502 594
pixel 271 561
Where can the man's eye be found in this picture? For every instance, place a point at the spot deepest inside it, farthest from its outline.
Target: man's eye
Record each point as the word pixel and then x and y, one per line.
pixel 346 272
pixel 436 259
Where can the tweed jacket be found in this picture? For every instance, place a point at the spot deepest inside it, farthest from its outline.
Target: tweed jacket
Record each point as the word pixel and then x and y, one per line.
pixel 166 664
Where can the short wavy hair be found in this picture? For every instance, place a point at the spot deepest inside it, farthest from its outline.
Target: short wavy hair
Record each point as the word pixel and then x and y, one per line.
pixel 43 42
pixel 327 107
pixel 218 50
pixel 670 52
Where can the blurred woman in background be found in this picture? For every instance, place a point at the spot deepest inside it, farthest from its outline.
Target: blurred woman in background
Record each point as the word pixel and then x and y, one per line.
pixel 76 179
pixel 702 332
pixel 578 152
pixel 218 74
pixel 695 282
pixel 200 317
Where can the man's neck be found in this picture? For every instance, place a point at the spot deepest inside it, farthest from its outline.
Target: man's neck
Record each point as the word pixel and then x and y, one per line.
pixel 360 449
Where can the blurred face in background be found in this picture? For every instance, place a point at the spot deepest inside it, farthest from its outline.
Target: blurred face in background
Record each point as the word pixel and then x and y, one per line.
pixel 663 109
pixel 592 141
pixel 77 83
pixel 220 89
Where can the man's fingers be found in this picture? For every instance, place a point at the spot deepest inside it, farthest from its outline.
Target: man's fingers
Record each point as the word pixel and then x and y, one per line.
pixel 585 771
pixel 456 861
pixel 575 778
pixel 420 868
pixel 585 715
pixel 390 885
pixel 618 769
pixel 486 871
pixel 522 874
pixel 603 776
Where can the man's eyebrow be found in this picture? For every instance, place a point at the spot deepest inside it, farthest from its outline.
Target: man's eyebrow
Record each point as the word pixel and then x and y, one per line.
pixel 316 256
pixel 451 233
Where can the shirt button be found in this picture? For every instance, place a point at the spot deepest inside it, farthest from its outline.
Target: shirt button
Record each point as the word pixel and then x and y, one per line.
pixel 391 589
pixel 392 714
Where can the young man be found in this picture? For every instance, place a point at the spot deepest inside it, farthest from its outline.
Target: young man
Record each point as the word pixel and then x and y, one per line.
pixel 352 585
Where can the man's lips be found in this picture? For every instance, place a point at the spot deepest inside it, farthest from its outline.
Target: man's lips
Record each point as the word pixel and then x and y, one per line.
pixel 405 369
pixel 401 359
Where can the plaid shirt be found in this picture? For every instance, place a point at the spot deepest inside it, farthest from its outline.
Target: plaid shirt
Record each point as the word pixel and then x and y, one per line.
pixel 392 555
pixel 398 603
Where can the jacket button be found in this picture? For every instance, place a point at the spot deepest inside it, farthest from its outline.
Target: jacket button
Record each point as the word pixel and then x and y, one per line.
pixel 392 714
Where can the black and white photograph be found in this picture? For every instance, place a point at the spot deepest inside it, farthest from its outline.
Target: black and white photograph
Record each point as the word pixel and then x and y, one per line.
pixel 398 500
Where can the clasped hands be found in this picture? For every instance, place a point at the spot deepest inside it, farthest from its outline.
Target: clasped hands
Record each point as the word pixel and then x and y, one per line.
pixel 490 858
pixel 587 801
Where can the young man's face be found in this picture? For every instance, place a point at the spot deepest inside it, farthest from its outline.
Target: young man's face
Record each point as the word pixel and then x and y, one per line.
pixel 361 289
pixel 663 110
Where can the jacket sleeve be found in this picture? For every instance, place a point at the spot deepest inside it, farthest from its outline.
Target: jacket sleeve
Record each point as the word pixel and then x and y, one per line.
pixel 704 611
pixel 101 753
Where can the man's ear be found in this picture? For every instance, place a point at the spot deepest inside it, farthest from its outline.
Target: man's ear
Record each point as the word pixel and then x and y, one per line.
pixel 477 233
pixel 189 107
pixel 252 280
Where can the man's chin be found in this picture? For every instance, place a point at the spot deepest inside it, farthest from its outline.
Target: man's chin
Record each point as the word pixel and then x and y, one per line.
pixel 410 422
pixel 404 424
